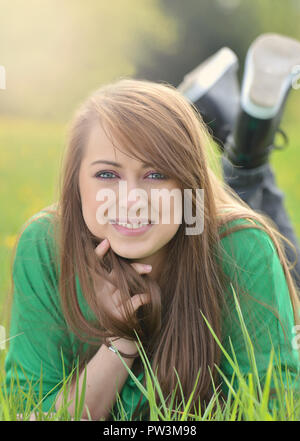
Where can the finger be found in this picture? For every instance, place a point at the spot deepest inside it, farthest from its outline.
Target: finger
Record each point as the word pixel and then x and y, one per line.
pixel 135 302
pixel 139 300
pixel 102 248
pixel 141 268
pixel 116 298
pixel 100 251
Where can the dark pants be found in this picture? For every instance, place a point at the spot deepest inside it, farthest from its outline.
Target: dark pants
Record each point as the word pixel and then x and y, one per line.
pixel 258 188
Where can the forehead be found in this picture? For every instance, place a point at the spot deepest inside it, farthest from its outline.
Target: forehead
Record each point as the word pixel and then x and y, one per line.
pixel 99 144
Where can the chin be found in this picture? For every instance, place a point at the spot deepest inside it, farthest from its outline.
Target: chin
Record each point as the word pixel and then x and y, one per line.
pixel 130 253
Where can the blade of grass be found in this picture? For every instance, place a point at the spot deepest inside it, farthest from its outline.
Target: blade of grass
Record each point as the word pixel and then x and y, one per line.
pixel 248 342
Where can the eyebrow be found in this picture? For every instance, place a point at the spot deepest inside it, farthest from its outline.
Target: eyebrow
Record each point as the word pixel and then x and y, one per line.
pixel 115 164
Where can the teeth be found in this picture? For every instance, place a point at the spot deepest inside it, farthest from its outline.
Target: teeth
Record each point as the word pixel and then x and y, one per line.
pixel 131 226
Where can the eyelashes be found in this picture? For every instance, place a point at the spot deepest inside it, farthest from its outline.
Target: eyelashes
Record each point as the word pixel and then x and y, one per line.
pixel 98 175
pixel 163 177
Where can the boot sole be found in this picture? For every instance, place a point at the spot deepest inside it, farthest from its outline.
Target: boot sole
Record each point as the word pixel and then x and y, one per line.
pixel 269 72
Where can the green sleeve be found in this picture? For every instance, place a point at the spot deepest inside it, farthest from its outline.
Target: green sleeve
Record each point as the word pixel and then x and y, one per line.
pixel 260 273
pixel 38 331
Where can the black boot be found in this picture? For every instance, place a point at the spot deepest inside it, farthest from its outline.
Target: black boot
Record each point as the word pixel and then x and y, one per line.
pixel 267 80
pixel 214 90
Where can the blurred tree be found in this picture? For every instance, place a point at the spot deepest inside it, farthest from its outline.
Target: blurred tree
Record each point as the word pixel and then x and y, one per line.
pixel 207 25
pixel 58 51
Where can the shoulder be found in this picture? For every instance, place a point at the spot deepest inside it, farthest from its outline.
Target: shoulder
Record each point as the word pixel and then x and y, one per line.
pixel 35 270
pixel 251 263
pixel 38 229
pixel 255 272
pixel 252 266
pixel 40 225
pixel 244 242
pixel 36 243
pixel 246 229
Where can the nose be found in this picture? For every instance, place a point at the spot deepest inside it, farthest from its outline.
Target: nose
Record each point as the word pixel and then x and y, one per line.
pixel 132 198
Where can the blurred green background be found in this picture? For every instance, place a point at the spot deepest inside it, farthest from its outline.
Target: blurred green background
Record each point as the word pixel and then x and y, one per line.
pixel 57 52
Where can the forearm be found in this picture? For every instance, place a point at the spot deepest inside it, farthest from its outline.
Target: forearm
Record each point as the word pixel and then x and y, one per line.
pixel 105 376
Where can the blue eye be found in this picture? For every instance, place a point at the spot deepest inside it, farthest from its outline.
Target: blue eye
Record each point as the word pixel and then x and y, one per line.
pixel 159 174
pixel 110 175
pixel 97 175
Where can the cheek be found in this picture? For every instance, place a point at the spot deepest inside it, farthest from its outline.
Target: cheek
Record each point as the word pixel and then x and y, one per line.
pixel 168 231
pixel 170 206
pixel 89 210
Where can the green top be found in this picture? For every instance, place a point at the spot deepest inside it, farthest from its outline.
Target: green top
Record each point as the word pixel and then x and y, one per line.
pixel 41 333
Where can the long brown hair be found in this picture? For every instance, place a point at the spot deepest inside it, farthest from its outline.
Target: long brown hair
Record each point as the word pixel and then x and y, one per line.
pixel 159 126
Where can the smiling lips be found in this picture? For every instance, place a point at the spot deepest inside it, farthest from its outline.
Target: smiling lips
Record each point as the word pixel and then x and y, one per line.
pixel 133 228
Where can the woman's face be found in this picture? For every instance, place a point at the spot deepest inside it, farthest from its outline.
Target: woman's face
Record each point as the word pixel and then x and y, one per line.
pixel 142 244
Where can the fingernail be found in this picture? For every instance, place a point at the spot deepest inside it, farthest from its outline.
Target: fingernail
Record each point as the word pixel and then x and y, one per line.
pixel 148 267
pixel 104 243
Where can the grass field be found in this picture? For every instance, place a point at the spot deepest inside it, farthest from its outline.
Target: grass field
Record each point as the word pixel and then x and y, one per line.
pixel 273 398
pixel 29 165
pixel 30 156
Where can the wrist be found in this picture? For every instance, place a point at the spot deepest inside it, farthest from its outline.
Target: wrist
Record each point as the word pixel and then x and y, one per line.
pixel 123 345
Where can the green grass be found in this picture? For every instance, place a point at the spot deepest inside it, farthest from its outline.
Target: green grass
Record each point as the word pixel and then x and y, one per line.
pixel 30 157
pixel 286 162
pixel 250 400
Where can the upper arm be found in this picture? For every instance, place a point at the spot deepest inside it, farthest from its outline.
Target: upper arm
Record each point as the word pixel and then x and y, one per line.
pixel 265 305
pixel 37 331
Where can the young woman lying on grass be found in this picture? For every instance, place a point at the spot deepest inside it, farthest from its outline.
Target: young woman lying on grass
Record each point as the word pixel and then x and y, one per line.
pixel 80 284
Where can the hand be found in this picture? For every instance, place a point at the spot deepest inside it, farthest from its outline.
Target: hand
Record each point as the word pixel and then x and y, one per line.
pixel 110 295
